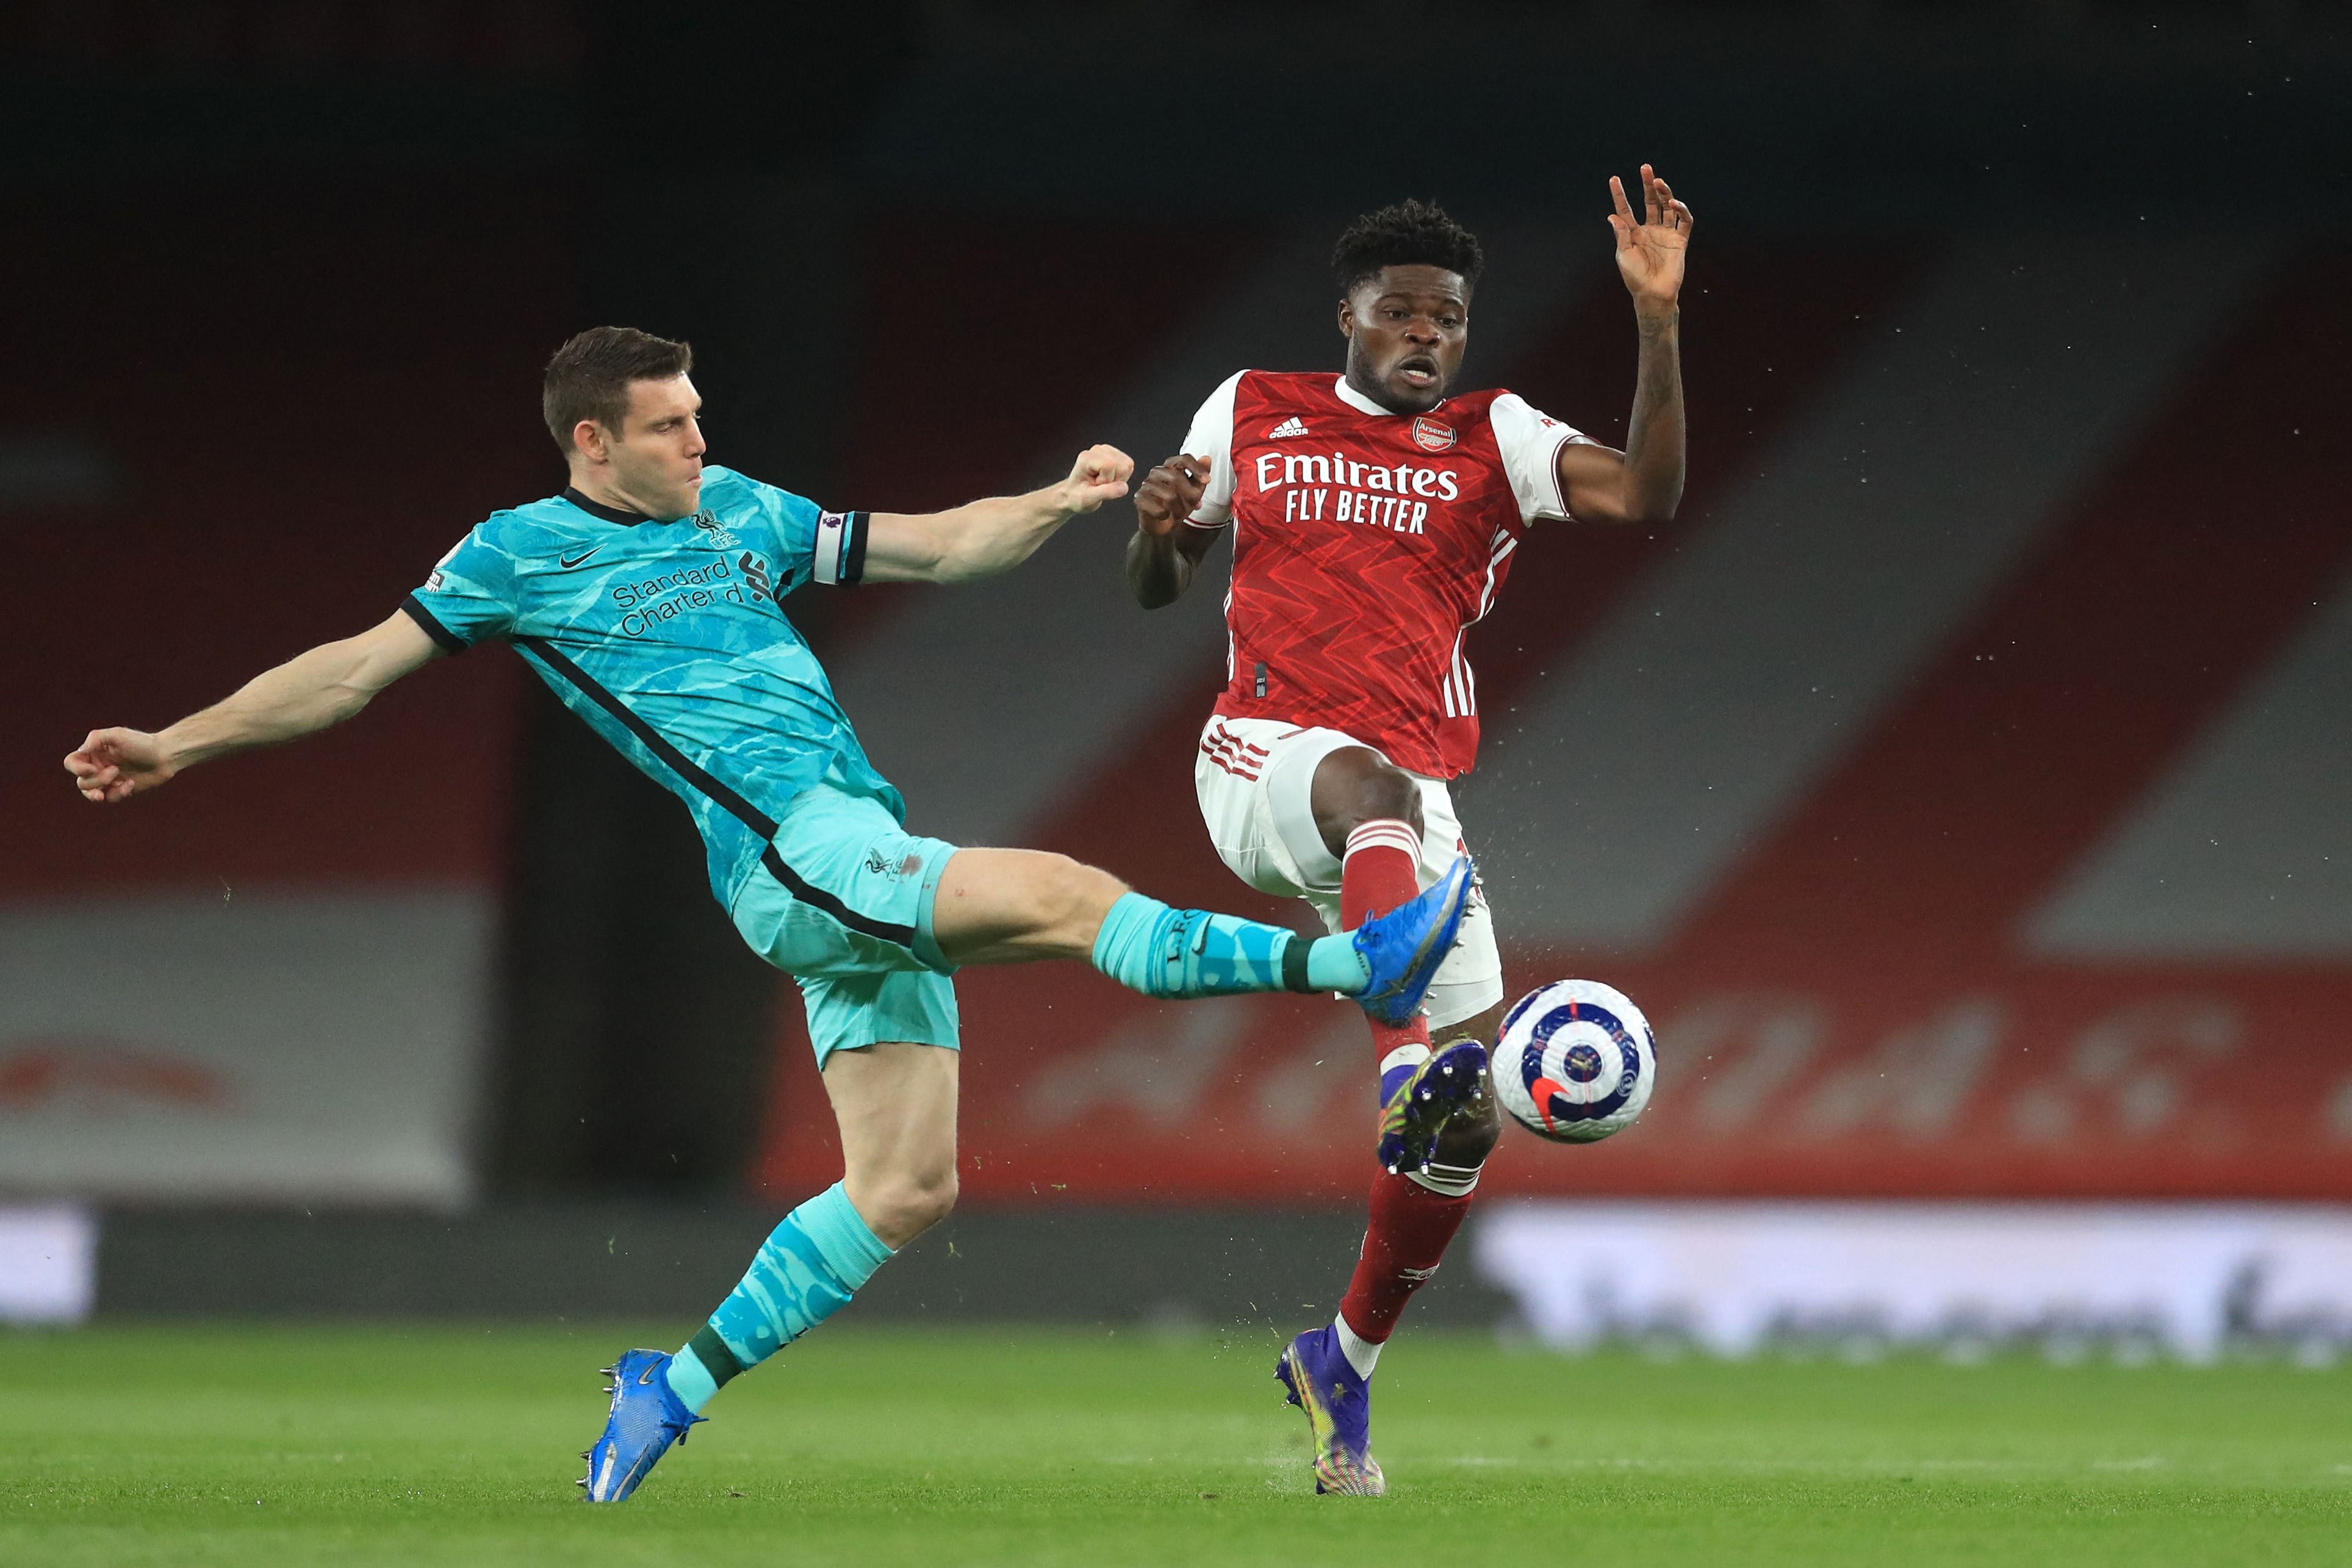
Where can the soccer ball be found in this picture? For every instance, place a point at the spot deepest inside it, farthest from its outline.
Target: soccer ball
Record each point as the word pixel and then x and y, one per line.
pixel 1575 1061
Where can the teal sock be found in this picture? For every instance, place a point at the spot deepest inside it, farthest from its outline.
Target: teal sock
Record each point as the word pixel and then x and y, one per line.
pixel 1148 947
pixel 689 1374
pixel 1334 964
pixel 806 1271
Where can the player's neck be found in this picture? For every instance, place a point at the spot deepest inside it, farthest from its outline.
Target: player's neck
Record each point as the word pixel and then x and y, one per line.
pixel 1368 400
pixel 606 494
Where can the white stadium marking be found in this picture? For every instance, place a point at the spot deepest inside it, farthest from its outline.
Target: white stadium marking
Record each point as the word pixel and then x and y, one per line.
pixel 2245 850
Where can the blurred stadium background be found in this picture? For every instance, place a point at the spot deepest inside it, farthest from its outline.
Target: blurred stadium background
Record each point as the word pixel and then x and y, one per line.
pixel 1961 784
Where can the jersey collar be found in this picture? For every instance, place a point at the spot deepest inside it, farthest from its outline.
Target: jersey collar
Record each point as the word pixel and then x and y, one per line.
pixel 1363 405
pixel 598 509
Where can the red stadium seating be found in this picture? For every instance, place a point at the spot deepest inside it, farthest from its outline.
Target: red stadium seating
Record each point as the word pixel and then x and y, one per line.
pixel 1857 1007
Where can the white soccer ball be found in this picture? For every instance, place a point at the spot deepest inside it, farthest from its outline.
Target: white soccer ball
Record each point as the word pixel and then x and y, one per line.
pixel 1575 1061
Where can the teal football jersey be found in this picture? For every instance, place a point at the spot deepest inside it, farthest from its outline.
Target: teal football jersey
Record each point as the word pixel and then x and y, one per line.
pixel 670 639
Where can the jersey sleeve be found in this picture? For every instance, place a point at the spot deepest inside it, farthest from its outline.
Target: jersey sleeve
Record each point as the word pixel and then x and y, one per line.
pixel 1211 436
pixel 469 595
pixel 1531 442
pixel 812 544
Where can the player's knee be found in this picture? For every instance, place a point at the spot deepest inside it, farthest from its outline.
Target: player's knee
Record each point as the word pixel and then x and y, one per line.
pixel 931 1199
pixel 1072 896
pixel 1380 793
pixel 907 1202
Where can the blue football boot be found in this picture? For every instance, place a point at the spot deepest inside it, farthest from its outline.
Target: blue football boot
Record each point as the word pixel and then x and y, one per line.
pixel 646 1420
pixel 1403 947
pixel 1418 1101
pixel 1339 1407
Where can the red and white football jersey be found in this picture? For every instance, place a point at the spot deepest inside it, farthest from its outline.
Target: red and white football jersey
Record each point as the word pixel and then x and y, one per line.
pixel 1365 545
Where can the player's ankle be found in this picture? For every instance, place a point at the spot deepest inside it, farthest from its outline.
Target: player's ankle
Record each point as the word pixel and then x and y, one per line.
pixel 1363 1354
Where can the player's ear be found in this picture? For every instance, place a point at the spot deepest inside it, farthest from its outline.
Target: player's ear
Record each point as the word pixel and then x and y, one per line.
pixel 588 438
pixel 1346 317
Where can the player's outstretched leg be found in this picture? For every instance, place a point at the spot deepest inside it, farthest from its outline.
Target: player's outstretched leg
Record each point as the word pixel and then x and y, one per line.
pixel 895 1107
pixel 1016 906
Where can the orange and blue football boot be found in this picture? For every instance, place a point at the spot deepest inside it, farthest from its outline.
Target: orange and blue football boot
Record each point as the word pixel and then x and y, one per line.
pixel 646 1418
pixel 1339 1407
pixel 1418 1101
pixel 1403 947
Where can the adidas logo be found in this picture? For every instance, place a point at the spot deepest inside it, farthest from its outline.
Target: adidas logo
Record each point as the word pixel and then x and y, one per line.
pixel 1294 426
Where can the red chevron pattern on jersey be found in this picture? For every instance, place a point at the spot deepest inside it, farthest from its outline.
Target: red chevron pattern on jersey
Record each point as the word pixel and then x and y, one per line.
pixel 1364 547
pixel 1856 1008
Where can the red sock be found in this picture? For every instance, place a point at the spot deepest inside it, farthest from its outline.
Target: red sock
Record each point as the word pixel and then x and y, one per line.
pixel 1380 871
pixel 1411 1226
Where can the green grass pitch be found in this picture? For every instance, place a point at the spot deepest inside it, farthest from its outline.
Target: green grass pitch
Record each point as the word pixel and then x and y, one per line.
pixel 260 1446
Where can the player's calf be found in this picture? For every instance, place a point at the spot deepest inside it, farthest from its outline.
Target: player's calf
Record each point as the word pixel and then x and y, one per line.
pixel 894 1103
pixel 810 1267
pixel 1370 814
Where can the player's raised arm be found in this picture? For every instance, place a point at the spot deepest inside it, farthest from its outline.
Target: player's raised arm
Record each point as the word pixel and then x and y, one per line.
pixel 1644 482
pixel 1166 549
pixel 307 693
pixel 982 538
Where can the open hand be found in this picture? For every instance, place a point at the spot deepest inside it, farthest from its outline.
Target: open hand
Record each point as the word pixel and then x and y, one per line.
pixel 1100 474
pixel 1650 248
pixel 1170 494
pixel 115 764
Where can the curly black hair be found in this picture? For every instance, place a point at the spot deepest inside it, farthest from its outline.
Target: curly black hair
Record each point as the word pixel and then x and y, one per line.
pixel 1405 234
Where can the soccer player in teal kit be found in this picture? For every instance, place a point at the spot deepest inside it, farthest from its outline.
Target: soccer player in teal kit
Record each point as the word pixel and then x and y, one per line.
pixel 648 597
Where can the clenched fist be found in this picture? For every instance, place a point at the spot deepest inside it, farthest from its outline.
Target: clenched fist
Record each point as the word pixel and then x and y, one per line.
pixel 115 764
pixel 1170 493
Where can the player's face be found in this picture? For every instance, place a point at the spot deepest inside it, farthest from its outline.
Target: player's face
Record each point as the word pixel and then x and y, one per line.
pixel 1406 331
pixel 656 455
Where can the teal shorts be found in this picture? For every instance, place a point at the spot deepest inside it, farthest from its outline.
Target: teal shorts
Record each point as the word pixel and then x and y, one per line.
pixel 842 902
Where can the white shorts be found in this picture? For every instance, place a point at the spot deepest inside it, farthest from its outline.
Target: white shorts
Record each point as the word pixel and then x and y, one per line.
pixel 1256 779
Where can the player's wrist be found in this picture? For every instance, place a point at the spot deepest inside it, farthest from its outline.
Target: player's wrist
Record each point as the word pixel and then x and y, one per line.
pixel 1657 315
pixel 176 748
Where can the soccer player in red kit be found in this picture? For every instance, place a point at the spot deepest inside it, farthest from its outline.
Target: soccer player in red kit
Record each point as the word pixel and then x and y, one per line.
pixel 1374 516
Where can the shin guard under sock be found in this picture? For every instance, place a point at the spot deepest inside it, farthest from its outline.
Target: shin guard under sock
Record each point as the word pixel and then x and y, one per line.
pixel 1381 870
pixel 1410 1228
pixel 1146 946
pixel 807 1270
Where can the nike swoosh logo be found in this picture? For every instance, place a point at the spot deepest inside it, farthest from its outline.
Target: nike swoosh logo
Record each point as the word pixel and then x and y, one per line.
pixel 572 560
pixel 646 1378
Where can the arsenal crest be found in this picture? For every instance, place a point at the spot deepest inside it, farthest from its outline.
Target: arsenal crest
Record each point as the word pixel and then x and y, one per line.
pixel 1429 436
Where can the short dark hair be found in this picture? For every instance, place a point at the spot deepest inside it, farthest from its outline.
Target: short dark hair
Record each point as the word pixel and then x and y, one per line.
pixel 1409 233
pixel 589 377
